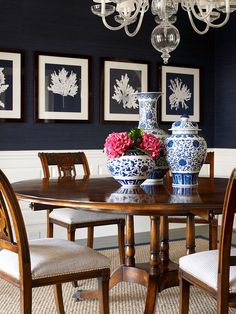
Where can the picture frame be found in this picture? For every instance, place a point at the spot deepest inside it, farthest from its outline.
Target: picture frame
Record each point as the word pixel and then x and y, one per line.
pixel 62 87
pixel 121 79
pixel 11 78
pixel 180 93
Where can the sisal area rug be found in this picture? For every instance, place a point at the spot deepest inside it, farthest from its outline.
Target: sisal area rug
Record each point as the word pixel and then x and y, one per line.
pixel 125 298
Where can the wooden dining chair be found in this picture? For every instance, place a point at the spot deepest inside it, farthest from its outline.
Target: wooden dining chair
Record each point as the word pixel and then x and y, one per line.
pixel 43 262
pixel 212 220
pixel 214 271
pixel 72 219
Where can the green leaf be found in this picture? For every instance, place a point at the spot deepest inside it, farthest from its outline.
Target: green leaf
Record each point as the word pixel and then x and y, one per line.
pixel 135 134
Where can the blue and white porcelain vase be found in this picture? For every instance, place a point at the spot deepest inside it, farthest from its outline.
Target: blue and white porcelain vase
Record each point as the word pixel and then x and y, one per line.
pixel 186 152
pixel 131 169
pixel 148 122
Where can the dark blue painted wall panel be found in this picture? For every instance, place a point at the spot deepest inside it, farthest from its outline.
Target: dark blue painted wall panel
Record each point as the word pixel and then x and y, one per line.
pixel 225 85
pixel 64 26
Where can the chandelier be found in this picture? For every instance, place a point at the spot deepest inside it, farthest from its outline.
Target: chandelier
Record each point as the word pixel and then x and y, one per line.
pixel 165 37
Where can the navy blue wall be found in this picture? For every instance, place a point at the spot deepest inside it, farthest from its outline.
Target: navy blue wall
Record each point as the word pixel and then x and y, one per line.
pixel 225 85
pixel 64 26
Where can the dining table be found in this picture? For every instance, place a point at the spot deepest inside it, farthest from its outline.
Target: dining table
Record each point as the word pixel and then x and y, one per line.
pixel 105 194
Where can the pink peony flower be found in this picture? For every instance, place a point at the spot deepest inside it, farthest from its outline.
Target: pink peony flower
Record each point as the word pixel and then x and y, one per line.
pixel 150 144
pixel 117 144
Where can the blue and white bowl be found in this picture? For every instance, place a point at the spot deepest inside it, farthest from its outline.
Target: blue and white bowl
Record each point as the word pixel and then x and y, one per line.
pixel 131 169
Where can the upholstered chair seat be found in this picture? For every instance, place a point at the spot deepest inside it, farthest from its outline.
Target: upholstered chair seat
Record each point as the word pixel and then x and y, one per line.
pixel 72 216
pixel 54 257
pixel 204 267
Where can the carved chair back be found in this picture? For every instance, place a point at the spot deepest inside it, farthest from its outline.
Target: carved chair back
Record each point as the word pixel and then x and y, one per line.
pixel 225 258
pixel 65 163
pixel 210 161
pixel 13 235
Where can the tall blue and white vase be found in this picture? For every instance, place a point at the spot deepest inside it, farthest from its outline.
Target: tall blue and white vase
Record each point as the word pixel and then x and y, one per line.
pixel 148 122
pixel 186 152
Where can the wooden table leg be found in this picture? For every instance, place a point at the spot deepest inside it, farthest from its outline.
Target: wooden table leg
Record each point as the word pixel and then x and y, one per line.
pixel 164 237
pixel 154 265
pixel 190 235
pixel 127 272
pixel 123 272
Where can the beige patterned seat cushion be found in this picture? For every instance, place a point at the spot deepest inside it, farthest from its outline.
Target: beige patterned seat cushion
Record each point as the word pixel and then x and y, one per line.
pixel 51 257
pixel 204 266
pixel 73 216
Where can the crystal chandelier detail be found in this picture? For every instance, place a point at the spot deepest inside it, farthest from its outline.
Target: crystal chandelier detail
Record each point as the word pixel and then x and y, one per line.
pixel 128 14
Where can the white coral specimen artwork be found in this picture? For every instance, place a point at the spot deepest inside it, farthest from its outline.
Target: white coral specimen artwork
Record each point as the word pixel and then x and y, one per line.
pixel 180 94
pixel 3 86
pixel 123 93
pixel 63 83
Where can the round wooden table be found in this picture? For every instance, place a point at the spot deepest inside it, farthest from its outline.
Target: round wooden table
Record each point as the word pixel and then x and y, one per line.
pixel 105 194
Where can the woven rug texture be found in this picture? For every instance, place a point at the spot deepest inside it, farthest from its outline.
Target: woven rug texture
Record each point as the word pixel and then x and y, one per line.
pixel 125 298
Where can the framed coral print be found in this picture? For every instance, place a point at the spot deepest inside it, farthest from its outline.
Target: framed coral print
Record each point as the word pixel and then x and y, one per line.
pixel 121 80
pixel 62 87
pixel 10 85
pixel 180 88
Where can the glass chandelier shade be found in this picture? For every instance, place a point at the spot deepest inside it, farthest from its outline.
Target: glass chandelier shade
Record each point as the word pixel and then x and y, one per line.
pixel 165 37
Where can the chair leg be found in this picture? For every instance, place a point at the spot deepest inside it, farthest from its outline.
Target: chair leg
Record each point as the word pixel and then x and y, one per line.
pixel 90 236
pixel 103 295
pixel 58 299
pixel 184 296
pixel 71 237
pixel 26 299
pixel 190 235
pixel 70 233
pixel 121 241
pixel 49 225
pixel 213 233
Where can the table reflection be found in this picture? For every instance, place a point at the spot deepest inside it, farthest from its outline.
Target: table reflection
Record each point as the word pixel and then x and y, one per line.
pixel 129 195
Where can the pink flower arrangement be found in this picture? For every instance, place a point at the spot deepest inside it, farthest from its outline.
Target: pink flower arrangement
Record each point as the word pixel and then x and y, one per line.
pixel 117 144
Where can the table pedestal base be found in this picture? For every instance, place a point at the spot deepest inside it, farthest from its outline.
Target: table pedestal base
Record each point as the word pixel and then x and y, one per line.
pixel 159 274
pixel 140 274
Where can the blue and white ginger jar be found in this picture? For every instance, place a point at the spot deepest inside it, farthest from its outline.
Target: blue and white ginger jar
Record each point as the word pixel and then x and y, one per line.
pixel 186 152
pixel 131 169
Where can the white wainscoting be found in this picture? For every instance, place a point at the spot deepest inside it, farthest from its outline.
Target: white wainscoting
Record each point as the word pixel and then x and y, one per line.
pixel 20 165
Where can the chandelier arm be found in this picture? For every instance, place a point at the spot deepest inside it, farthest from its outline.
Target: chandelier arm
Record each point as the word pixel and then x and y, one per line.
pixel 132 34
pixel 195 27
pixel 222 23
pixel 112 28
pixel 135 13
pixel 204 18
pixel 126 21
pixel 196 15
pixel 227 6
pixel 103 16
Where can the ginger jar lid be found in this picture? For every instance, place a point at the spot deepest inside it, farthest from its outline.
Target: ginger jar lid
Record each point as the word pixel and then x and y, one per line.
pixel 185 125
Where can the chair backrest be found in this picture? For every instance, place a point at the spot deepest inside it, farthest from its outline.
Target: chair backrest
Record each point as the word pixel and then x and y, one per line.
pixel 225 258
pixel 65 163
pixel 210 161
pixel 13 235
